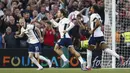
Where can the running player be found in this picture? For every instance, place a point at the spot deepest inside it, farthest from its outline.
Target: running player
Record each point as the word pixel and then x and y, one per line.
pixel 34 39
pixel 97 37
pixel 64 26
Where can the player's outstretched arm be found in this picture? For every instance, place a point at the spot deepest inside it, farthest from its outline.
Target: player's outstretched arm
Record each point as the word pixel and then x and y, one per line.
pixel 20 35
pixel 80 12
pixel 54 23
pixel 50 18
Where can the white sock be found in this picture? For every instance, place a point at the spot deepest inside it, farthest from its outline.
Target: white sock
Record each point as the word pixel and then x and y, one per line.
pixel 43 58
pixel 81 59
pixel 89 58
pixel 35 62
pixel 64 58
pixel 113 53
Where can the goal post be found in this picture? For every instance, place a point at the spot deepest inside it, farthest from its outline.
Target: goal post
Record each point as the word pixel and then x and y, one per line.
pixel 113 31
pixel 107 58
pixel 117 32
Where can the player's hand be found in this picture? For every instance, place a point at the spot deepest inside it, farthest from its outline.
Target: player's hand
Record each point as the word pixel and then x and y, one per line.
pixel 16 36
pixel 91 32
pixel 17 32
pixel 64 31
pixel 41 40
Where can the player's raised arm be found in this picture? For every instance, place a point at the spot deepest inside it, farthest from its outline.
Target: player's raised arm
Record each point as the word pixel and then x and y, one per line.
pixel 50 18
pixel 80 12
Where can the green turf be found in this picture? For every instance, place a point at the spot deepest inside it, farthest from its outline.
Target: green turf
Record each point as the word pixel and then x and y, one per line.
pixel 61 70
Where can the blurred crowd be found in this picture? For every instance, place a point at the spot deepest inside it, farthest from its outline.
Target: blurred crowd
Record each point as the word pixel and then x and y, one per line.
pixel 34 11
pixel 123 23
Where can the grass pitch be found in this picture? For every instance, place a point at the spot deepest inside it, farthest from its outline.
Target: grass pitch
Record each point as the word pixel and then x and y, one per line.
pixel 62 70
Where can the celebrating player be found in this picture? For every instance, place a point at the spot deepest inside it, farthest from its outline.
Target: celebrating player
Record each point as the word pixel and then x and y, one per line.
pixel 34 40
pixel 64 26
pixel 97 37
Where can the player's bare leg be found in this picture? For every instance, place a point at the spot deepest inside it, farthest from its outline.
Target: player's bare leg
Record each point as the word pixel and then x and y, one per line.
pixel 38 56
pixel 58 50
pixel 35 61
pixel 78 56
pixel 113 53
pixel 89 56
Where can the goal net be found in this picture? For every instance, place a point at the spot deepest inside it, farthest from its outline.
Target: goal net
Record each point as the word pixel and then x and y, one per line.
pixel 122 32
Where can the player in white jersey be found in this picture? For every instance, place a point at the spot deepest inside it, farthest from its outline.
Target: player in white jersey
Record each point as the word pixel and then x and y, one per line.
pixel 64 26
pixel 97 38
pixel 34 39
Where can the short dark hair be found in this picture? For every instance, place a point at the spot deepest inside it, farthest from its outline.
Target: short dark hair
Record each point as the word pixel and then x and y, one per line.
pixel 96 8
pixel 64 12
pixel 24 11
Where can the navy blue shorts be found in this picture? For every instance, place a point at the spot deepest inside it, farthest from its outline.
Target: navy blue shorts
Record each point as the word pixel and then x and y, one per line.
pixel 96 40
pixel 65 42
pixel 34 47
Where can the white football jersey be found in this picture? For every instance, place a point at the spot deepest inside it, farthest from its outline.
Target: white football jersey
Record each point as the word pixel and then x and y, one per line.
pixel 64 24
pixel 98 32
pixel 29 30
pixel 73 15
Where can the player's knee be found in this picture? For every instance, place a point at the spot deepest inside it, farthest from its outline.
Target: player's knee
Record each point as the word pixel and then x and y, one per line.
pixel 71 49
pixel 36 56
pixel 92 47
pixel 30 55
pixel 72 52
pixel 56 48
pixel 103 46
pixel 77 54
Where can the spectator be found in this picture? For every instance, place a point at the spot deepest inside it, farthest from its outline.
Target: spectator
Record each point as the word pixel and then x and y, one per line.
pixel 34 14
pixel 9 39
pixel 54 10
pixel 15 4
pixel 35 10
pixel 48 34
pixel 101 10
pixel 28 8
pixel 12 24
pixel 17 14
pixel 2 5
pixel 24 3
pixel 26 15
pixel 126 36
